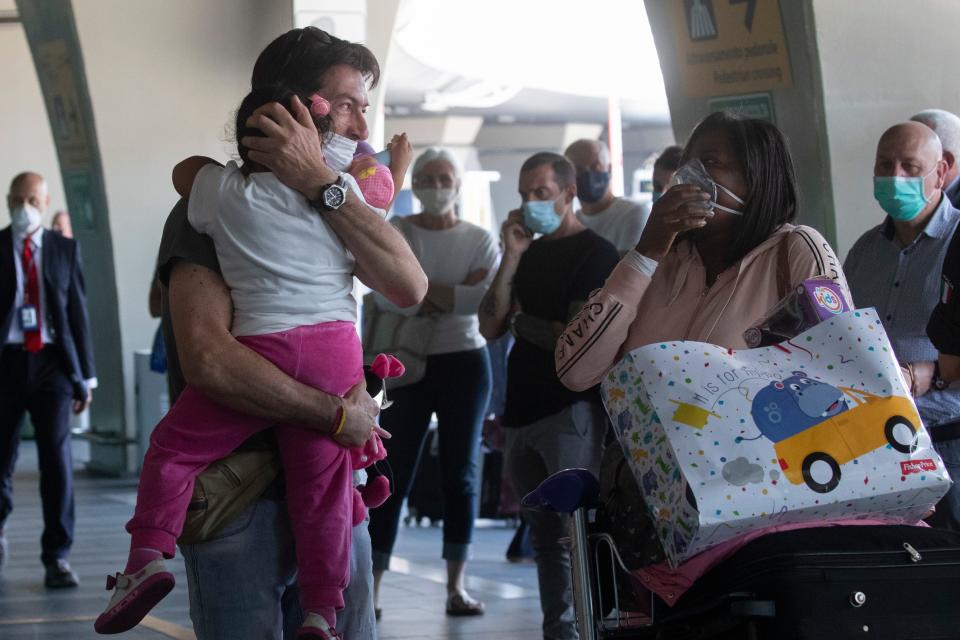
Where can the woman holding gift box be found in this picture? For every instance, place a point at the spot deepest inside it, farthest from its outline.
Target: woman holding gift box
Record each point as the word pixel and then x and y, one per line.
pixel 718 252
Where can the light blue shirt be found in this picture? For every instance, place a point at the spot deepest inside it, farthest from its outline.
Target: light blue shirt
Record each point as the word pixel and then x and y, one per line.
pixel 15 336
pixel 903 284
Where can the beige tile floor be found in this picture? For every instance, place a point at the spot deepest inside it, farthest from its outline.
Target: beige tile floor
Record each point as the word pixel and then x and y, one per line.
pixel 413 596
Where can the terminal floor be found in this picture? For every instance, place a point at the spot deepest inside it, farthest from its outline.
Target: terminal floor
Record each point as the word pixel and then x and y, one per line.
pixel 413 597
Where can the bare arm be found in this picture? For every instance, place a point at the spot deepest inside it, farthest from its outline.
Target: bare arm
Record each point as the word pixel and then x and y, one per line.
pixel 240 378
pixel 949 367
pixel 154 302
pixel 292 151
pixel 540 332
pixel 400 155
pixel 499 303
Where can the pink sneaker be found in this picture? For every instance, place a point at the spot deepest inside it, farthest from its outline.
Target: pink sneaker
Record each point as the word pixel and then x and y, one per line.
pixel 315 627
pixel 134 596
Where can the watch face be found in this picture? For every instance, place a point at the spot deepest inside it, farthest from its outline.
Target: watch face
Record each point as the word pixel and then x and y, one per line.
pixel 333 196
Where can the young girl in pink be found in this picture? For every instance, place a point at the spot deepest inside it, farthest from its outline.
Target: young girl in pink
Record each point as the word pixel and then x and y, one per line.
pixel 291 282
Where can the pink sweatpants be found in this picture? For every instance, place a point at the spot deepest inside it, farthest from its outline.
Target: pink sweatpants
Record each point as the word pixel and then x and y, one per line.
pixel 319 472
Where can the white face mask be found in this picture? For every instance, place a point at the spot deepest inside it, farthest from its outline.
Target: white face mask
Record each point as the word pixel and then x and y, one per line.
pixel 338 151
pixel 436 202
pixel 25 219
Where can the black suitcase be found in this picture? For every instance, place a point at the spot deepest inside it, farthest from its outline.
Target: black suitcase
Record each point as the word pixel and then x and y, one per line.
pixel 888 582
pixel 490 484
pixel 425 501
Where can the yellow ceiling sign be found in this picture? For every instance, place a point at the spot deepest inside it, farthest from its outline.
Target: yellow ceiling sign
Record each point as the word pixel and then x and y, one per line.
pixel 730 46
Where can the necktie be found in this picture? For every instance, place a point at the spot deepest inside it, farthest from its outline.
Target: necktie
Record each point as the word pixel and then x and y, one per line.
pixel 32 339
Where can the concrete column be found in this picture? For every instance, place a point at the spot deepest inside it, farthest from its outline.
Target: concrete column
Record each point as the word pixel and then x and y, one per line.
pixel 881 61
pixel 798 108
pixel 857 67
pixel 55 46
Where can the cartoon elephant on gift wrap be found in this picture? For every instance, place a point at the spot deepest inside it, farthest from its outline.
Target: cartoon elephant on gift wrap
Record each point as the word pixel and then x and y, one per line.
pixel 786 407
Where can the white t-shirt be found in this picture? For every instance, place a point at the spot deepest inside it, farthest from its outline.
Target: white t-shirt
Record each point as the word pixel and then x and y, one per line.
pixel 447 256
pixel 284 265
pixel 620 224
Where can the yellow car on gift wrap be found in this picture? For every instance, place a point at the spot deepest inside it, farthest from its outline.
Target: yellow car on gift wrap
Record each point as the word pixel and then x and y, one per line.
pixel 814 431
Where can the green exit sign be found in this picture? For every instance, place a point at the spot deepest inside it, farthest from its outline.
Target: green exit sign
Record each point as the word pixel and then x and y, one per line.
pixel 751 105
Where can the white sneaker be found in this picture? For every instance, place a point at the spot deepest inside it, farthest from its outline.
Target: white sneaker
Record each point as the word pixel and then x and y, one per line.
pixel 315 627
pixel 134 596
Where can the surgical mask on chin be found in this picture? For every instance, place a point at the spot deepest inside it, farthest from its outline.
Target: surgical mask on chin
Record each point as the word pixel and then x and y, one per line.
pixel 24 219
pixel 656 195
pixel 902 198
pixel 693 172
pixel 436 202
pixel 338 151
pixel 540 216
pixel 592 185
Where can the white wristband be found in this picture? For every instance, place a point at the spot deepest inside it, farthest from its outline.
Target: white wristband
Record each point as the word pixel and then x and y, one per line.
pixel 639 262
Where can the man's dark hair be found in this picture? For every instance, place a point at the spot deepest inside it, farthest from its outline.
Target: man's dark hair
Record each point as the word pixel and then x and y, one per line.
pixel 771 198
pixel 294 65
pixel 299 59
pixel 563 170
pixel 669 160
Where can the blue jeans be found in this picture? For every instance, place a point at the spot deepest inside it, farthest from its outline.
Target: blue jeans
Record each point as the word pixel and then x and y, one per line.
pixel 570 438
pixel 243 582
pixel 947 515
pixel 456 387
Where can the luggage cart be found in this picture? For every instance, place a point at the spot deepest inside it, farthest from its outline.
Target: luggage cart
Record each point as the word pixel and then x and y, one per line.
pixel 879 582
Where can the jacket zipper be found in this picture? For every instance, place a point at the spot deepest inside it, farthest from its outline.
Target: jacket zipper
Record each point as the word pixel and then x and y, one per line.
pixel 693 318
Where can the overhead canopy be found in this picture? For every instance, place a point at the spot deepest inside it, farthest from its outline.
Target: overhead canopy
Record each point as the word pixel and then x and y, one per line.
pixel 545 60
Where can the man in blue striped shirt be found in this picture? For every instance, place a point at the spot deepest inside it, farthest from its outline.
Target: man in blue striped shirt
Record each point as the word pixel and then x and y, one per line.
pixel 895 267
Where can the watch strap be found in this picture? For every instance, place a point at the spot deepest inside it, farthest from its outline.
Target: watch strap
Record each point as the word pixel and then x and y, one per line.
pixel 320 204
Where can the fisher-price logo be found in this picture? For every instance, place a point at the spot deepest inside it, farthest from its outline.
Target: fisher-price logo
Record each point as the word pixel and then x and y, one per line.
pixel 827 299
pixel 917 466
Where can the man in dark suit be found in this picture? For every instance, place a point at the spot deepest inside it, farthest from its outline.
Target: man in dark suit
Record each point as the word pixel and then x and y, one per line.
pixel 46 366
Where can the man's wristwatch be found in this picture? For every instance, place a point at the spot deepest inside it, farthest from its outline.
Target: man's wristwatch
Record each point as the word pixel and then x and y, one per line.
pixel 938 383
pixel 332 196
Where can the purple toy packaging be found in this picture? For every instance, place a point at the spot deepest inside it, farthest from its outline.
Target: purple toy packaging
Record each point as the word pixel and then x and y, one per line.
pixel 812 302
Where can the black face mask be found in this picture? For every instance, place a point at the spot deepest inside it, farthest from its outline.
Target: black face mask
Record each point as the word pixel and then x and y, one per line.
pixel 592 185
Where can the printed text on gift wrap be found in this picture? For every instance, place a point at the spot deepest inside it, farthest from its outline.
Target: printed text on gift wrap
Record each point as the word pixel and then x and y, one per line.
pixel 732 378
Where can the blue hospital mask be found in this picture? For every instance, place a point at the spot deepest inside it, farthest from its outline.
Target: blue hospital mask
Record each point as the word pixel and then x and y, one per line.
pixel 902 198
pixel 540 216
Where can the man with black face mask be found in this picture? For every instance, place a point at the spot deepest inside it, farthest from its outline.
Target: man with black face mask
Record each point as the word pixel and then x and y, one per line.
pixel 618 220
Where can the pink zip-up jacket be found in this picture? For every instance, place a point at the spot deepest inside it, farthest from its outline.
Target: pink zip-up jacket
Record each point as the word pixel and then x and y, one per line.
pixel 633 310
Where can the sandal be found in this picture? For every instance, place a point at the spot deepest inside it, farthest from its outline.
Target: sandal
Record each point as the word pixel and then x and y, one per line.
pixel 461 604
pixel 133 597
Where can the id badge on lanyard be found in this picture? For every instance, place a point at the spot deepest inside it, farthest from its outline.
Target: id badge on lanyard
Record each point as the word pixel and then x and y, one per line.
pixel 29 319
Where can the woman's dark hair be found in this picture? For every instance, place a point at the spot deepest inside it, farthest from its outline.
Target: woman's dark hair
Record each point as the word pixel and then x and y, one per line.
pixel 256 99
pixel 763 153
pixel 299 59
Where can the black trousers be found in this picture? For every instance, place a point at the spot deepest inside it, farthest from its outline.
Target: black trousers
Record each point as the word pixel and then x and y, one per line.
pixel 38 383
